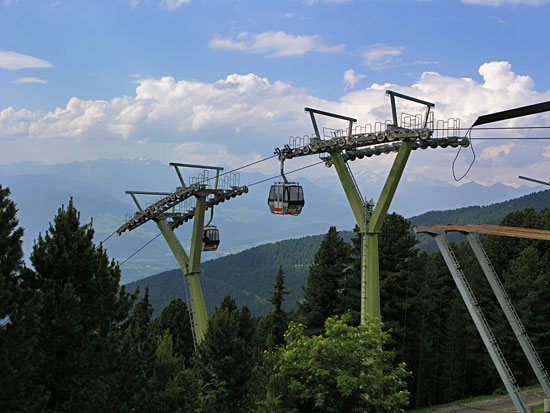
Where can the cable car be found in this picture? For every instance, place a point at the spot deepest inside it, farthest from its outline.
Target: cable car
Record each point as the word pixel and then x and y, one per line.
pixel 286 198
pixel 210 238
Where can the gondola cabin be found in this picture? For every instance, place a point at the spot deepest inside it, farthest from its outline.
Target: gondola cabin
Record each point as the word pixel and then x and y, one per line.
pixel 286 198
pixel 210 238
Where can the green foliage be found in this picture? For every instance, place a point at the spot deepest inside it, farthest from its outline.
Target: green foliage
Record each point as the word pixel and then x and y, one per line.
pixel 174 388
pixel 81 306
pixel 223 361
pixel 175 319
pixel 323 282
pixel 19 306
pixel 72 340
pixel 346 370
pixel 246 276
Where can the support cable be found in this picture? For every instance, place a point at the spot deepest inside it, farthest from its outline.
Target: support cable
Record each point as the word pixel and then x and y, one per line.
pixel 138 250
pixel 467 136
pixel 106 239
pixel 255 183
pixel 289 172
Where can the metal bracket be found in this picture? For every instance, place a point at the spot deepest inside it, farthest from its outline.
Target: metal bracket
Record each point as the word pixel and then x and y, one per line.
pixel 312 113
pixel 393 95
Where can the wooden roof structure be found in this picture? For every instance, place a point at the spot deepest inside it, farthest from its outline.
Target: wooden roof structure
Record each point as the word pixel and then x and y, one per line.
pixel 517 232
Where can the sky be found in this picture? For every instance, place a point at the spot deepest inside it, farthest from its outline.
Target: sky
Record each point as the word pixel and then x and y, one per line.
pixel 225 82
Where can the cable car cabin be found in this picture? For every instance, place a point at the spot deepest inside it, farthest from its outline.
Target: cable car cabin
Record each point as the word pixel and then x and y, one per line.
pixel 210 238
pixel 286 198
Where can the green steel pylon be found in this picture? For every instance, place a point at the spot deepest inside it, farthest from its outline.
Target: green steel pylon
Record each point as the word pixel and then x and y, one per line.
pixel 370 227
pixel 190 265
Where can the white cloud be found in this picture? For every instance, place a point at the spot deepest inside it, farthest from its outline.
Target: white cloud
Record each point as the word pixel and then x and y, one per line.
pixel 30 80
pixel 171 5
pixel 499 76
pixel 274 44
pixel 242 117
pixel 493 152
pixel 381 56
pixel 498 3
pixel 351 78
pixel 15 61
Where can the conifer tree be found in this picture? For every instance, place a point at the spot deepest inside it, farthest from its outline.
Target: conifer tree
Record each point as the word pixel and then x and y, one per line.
pixel 175 318
pixel 82 304
pixel 224 359
pixel 173 387
pixel 321 294
pixel 19 321
pixel 137 385
pixel 279 319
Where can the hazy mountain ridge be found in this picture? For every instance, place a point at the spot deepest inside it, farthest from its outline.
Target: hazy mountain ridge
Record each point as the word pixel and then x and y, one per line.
pixel 98 189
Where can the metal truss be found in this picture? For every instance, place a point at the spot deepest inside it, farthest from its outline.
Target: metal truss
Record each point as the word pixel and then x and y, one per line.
pixel 162 207
pixel 378 143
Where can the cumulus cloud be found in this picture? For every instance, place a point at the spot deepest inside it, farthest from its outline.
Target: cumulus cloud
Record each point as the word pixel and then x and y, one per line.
pixel 498 3
pixel 494 152
pixel 15 61
pixel 351 78
pixel 30 80
pixel 242 117
pixel 380 56
pixel 274 44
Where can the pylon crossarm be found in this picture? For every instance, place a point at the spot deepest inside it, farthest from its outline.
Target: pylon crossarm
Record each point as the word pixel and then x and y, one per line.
pixel 156 210
pixel 374 140
pixel 453 142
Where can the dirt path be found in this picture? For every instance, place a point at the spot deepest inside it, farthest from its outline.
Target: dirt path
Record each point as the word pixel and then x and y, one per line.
pixel 502 404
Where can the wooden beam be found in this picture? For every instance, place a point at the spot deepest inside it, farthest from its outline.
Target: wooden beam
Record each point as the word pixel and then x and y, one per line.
pixel 517 232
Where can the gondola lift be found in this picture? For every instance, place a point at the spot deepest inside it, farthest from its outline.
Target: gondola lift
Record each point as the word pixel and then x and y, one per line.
pixel 285 198
pixel 210 235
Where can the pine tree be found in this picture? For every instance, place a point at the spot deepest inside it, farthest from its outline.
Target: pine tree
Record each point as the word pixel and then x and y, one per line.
pixel 279 318
pixel 136 360
pixel 269 335
pixel 82 304
pixel 173 387
pixel 175 318
pixel 224 359
pixel 321 294
pixel 19 320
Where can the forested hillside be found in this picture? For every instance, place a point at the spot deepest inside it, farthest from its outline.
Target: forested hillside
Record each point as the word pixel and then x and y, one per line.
pixel 246 275
pixel 488 214
pixel 73 339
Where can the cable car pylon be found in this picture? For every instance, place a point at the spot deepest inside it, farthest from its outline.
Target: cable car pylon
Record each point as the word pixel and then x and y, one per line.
pixel 167 219
pixel 351 143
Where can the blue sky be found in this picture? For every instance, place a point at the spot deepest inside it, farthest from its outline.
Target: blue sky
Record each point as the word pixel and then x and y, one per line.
pixel 226 81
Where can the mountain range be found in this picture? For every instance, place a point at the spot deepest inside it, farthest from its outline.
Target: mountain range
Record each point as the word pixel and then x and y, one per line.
pixel 98 190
